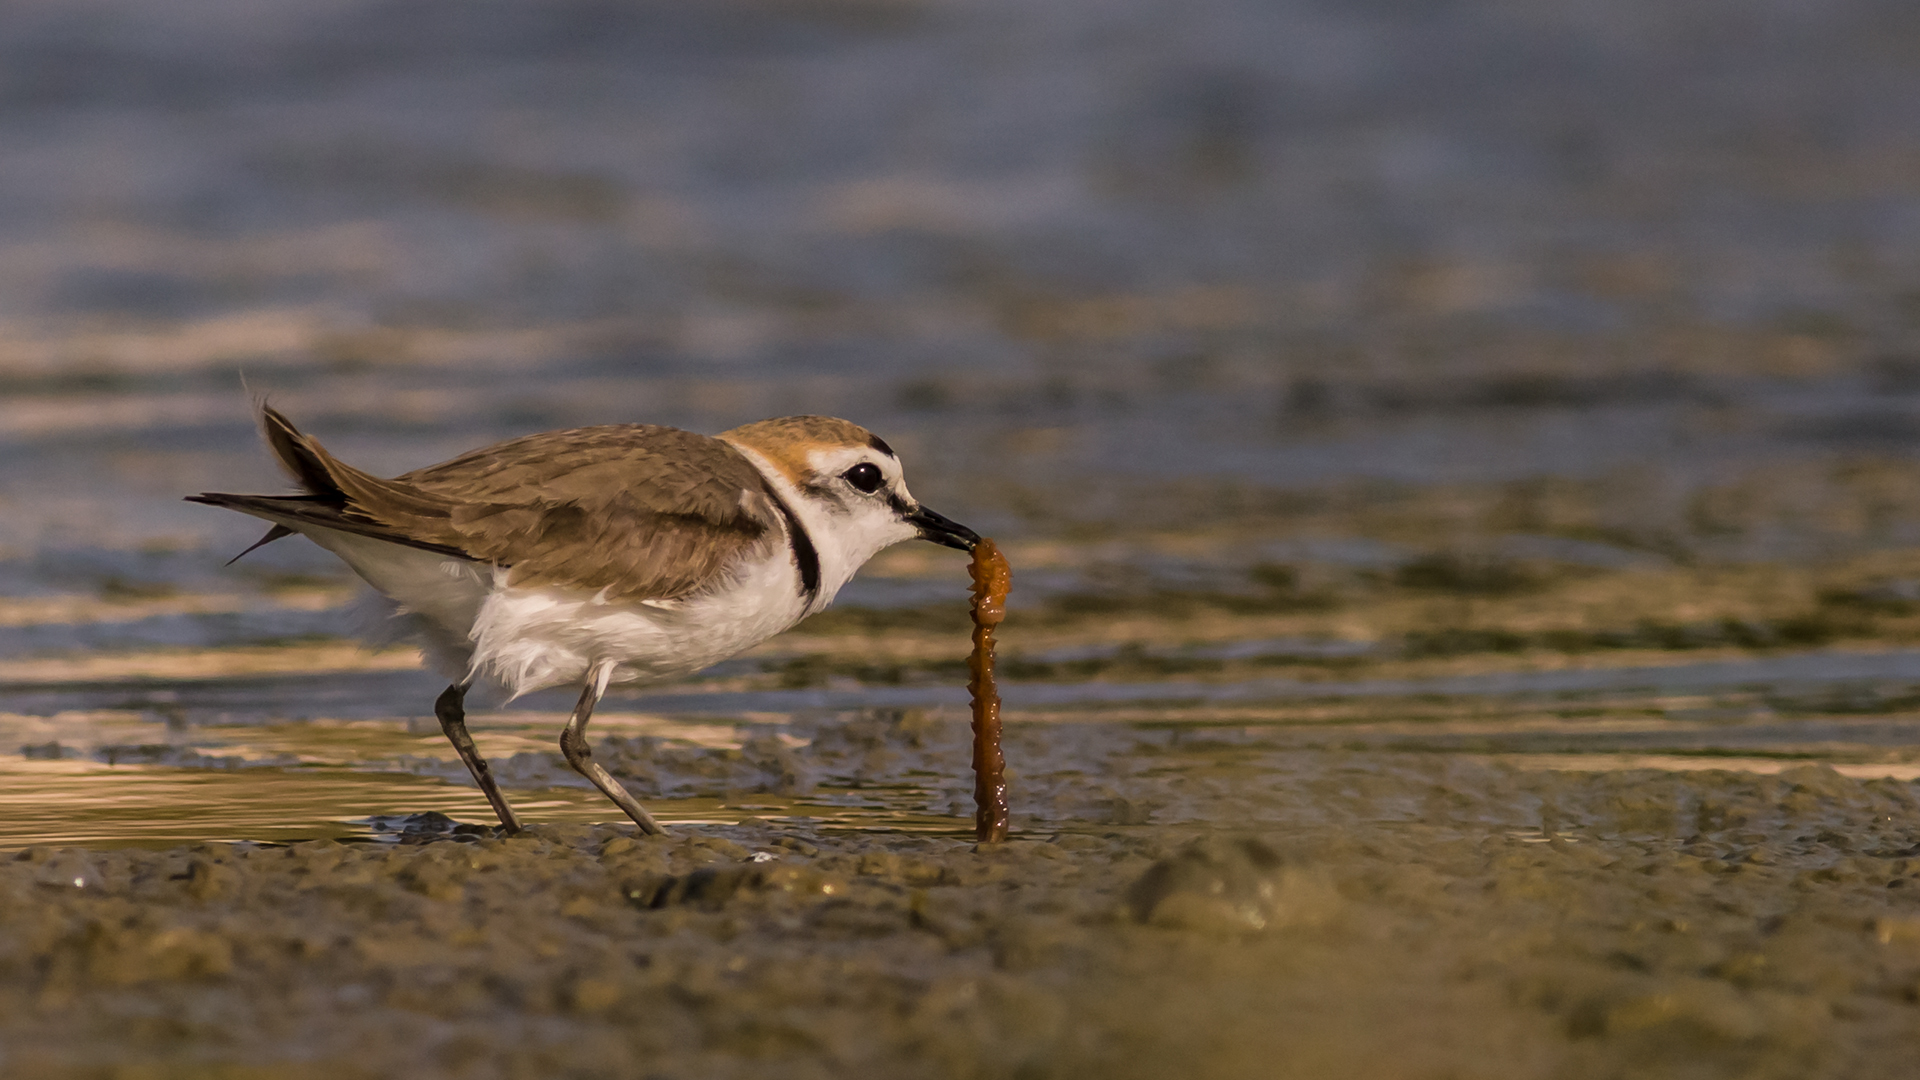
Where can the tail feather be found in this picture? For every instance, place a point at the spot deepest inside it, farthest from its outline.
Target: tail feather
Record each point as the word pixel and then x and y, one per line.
pixel 340 485
pixel 296 513
pixel 301 457
pixel 340 497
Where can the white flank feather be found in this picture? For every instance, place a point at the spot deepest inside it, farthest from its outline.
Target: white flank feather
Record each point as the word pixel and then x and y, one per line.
pixel 530 639
pixel 437 596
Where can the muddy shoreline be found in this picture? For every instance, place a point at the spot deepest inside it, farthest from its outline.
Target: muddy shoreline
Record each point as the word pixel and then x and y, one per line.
pixel 1435 918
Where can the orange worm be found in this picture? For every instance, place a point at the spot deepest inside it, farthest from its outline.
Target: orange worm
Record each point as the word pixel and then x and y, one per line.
pixel 991 579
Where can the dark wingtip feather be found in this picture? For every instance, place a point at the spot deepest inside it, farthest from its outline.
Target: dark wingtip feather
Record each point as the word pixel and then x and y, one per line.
pixel 296 454
pixel 239 502
pixel 275 533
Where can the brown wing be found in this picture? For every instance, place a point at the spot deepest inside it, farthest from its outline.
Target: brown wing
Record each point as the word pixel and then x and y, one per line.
pixel 640 510
pixel 644 512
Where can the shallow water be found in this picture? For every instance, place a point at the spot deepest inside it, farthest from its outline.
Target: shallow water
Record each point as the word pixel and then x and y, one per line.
pixel 283 759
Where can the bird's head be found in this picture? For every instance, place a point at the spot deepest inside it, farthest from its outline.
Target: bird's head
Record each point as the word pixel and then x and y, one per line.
pixel 846 486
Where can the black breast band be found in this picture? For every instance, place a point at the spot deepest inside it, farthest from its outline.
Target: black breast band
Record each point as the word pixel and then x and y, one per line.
pixel 804 555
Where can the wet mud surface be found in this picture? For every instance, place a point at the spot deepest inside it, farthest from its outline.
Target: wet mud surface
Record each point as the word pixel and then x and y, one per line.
pixel 1476 809
pixel 1407 916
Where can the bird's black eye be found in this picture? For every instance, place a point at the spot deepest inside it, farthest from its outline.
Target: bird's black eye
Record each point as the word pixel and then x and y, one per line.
pixel 865 477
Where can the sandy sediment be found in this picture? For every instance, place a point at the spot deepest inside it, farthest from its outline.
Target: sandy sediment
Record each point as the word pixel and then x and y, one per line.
pixel 1638 924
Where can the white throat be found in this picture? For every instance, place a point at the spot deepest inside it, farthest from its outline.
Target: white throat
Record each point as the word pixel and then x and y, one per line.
pixel 842 541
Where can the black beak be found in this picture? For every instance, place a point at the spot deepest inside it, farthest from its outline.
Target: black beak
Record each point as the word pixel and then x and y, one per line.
pixel 943 531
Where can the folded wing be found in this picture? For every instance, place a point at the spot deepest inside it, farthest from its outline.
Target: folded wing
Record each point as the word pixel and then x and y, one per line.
pixel 640 511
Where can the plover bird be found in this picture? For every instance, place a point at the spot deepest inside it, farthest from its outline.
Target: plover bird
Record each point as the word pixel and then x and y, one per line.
pixel 624 553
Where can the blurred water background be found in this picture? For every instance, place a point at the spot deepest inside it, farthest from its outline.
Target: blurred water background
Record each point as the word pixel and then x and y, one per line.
pixel 1533 381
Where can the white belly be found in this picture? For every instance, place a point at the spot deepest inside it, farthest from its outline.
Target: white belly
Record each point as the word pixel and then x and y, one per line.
pixel 530 639
pixel 476 626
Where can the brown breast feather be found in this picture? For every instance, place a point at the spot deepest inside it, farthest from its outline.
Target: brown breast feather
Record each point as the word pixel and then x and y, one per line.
pixel 642 511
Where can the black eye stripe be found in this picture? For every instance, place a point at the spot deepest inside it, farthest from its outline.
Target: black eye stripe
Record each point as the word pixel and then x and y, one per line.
pixel 865 477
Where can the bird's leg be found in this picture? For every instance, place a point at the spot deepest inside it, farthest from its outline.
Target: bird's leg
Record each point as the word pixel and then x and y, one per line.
pixel 451 709
pixel 573 743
